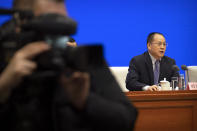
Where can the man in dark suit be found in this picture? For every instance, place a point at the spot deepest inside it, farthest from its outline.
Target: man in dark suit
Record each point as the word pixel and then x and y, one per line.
pixel 147 69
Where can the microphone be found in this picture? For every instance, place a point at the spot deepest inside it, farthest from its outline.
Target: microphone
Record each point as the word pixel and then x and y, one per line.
pixel 175 68
pixel 174 80
pixel 184 67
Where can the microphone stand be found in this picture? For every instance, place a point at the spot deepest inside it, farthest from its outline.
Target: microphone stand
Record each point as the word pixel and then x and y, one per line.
pixel 187 76
pixel 184 67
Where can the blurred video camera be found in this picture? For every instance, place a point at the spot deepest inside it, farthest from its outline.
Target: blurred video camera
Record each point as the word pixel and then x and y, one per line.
pixel 55 30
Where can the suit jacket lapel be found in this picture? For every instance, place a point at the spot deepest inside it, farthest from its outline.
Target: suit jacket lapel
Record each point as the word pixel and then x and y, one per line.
pixel 149 66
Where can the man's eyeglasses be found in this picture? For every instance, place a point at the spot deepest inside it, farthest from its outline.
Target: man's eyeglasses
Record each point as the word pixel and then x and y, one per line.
pixel 160 43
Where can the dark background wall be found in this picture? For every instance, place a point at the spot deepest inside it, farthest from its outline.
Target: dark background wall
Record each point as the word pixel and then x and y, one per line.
pixel 123 25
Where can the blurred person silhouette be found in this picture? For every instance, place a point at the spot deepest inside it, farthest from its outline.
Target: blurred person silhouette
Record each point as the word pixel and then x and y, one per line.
pixel 80 101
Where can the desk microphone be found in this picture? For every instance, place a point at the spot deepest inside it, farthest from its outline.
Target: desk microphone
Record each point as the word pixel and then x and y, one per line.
pixel 184 67
pixel 174 80
pixel 175 68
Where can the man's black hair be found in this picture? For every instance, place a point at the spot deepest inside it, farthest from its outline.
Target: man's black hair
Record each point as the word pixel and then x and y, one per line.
pixel 151 36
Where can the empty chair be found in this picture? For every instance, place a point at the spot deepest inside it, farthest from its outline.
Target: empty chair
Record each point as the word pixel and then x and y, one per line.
pixel 191 75
pixel 120 74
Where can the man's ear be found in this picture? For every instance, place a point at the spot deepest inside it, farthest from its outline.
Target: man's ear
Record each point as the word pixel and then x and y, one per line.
pixel 148 45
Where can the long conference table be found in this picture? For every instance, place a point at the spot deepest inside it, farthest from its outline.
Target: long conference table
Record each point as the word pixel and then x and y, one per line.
pixel 165 110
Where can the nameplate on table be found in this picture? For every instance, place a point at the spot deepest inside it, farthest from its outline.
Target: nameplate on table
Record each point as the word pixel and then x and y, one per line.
pixel 192 86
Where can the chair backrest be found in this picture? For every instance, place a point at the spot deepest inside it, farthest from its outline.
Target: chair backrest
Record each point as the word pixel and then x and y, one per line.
pixel 192 73
pixel 120 74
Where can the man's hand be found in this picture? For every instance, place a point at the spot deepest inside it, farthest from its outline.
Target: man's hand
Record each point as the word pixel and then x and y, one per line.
pixel 73 44
pixel 20 65
pixel 76 88
pixel 153 88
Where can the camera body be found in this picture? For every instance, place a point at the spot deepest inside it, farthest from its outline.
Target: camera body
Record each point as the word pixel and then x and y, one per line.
pixel 55 30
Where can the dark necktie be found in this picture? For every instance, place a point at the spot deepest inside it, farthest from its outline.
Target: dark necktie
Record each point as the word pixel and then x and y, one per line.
pixel 156 72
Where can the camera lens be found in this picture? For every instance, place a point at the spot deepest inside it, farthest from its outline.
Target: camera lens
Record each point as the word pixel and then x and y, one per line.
pixel 57 41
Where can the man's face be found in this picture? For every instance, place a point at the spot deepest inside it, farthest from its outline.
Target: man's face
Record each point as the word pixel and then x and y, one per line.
pixel 157 47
